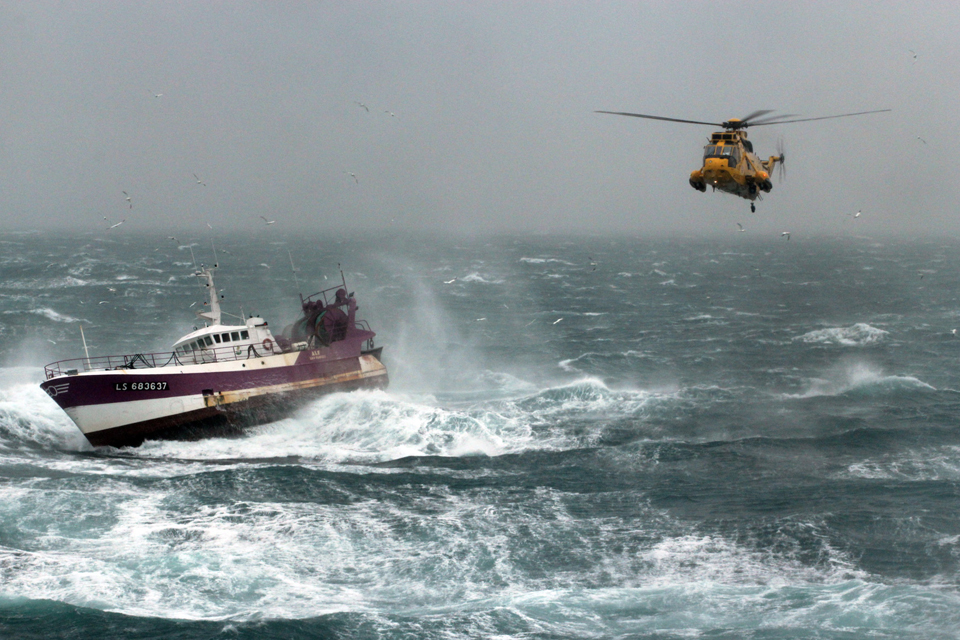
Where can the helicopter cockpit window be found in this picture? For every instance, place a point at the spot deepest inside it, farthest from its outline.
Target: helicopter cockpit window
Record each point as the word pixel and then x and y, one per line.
pixel 730 152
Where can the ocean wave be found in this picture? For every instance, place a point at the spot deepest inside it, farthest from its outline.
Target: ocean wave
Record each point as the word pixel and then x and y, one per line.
pixel 29 418
pixel 932 464
pixel 858 335
pixel 545 260
pixel 47 313
pixel 54 283
pixel 862 378
pixel 476 277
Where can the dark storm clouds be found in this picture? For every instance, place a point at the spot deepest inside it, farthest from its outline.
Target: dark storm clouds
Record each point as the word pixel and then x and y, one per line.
pixel 481 115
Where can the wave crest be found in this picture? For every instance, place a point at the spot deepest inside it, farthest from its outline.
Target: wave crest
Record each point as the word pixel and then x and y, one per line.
pixel 857 335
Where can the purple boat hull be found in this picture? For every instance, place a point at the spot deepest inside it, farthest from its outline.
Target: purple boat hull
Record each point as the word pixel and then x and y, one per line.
pixel 124 407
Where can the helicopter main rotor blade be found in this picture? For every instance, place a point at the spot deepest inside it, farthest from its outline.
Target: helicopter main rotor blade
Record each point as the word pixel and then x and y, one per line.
pixel 772 119
pixel 755 114
pixel 842 115
pixel 640 115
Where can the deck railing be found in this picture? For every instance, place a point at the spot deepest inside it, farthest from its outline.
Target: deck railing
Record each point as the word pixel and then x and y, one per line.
pixel 159 360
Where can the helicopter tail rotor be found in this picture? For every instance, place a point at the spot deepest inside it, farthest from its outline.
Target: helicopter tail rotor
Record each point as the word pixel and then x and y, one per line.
pixel 782 156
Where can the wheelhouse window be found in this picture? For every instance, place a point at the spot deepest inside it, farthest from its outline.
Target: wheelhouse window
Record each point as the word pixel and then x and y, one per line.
pixel 225 337
pixel 235 335
pixel 244 335
pixel 216 338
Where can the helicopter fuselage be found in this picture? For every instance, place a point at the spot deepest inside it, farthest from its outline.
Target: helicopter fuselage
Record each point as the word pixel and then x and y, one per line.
pixel 730 165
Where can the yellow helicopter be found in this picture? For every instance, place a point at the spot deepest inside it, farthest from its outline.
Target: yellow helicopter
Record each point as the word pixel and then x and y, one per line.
pixel 729 163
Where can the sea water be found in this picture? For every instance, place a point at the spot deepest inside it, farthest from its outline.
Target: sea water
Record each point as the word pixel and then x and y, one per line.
pixel 743 437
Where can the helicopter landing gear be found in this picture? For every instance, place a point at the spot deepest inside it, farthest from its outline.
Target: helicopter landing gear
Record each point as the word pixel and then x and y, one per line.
pixel 753 208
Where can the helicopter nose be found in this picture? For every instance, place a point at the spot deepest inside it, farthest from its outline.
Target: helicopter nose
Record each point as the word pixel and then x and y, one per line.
pixel 715 171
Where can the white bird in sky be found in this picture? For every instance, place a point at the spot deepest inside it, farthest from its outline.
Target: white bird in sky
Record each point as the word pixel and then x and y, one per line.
pixel 914 55
pixel 449 281
pixel 785 233
pixel 362 105
pixel 114 226
pixel 392 114
pixel 127 197
pixel 155 95
pixel 264 264
pixel 269 222
pixel 557 320
pixel 857 214
pixel 921 140
pixel 352 175
pixel 741 227
pixel 200 182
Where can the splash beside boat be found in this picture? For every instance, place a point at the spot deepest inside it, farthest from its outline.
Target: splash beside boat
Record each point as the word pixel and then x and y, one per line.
pixel 220 378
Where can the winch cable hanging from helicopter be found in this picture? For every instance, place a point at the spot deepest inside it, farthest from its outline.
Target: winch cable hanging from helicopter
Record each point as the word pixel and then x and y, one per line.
pixel 729 163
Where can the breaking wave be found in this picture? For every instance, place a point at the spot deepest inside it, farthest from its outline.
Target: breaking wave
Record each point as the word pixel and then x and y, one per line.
pixel 858 335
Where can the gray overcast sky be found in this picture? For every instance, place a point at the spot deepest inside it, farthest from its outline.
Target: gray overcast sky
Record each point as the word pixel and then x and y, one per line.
pixel 494 127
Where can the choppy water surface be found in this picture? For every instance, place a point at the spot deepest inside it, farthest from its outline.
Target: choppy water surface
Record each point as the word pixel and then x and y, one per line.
pixel 584 438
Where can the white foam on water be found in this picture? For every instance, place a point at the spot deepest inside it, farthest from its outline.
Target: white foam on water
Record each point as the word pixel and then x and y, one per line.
pixel 425 553
pixel 854 376
pixel 476 277
pixel 857 335
pixel 363 427
pixel 47 313
pixel 929 464
pixel 545 260
pixel 29 416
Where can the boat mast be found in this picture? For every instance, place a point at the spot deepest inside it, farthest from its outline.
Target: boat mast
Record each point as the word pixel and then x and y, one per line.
pixel 85 350
pixel 213 313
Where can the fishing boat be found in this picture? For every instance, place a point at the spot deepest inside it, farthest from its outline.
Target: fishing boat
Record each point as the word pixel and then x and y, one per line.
pixel 220 378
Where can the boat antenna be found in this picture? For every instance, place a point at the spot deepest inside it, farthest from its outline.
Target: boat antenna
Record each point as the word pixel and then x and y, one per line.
pixel 85 350
pixel 216 263
pixel 294 269
pixel 342 279
pixel 195 267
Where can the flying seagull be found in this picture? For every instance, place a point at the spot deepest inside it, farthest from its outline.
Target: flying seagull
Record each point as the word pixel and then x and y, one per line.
pixel 352 175
pixel 264 264
pixel 741 227
pixel 785 233
pixel 392 114
pixel 269 222
pixel 592 263
pixel 557 320
pixel 921 140
pixel 914 55
pixel 114 226
pixel 155 95
pixel 449 281
pixel 200 182
pixel 362 105
pixel 127 197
